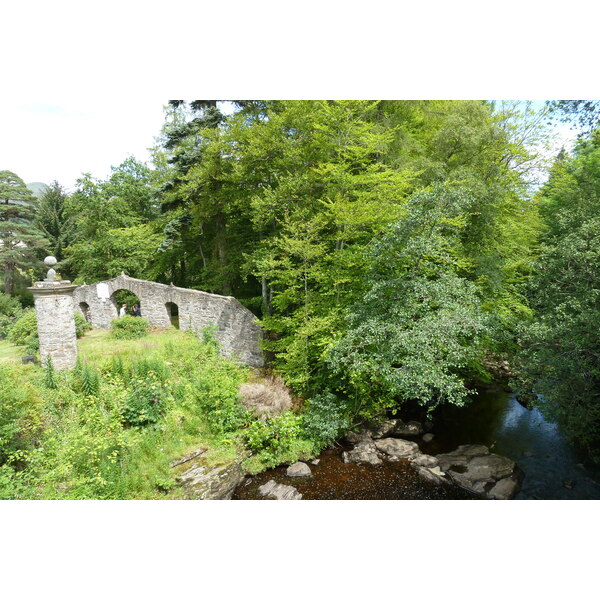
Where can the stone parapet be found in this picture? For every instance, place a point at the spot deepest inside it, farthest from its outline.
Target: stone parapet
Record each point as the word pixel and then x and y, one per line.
pixel 235 326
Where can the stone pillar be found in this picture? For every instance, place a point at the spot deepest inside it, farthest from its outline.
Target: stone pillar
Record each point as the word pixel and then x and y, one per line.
pixel 55 321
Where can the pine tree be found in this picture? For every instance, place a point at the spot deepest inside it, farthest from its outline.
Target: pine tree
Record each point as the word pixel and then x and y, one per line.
pixel 53 220
pixel 19 236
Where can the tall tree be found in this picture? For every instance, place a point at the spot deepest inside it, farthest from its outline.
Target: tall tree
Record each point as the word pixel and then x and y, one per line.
pixel 53 220
pixel 113 224
pixel 19 237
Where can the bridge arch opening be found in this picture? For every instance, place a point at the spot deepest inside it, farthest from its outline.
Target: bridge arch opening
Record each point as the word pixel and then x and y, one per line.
pixel 124 299
pixel 84 307
pixel 173 312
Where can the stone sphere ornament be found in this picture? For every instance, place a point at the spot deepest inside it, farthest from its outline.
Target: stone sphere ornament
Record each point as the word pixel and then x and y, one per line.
pixel 50 261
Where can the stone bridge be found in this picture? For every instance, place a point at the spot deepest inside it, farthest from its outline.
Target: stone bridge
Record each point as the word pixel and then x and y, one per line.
pixel 236 327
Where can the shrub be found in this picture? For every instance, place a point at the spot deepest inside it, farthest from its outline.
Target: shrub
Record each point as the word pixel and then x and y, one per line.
pixel 326 419
pixel 276 440
pixel 24 331
pixel 216 397
pixel 129 328
pixel 10 309
pixel 19 412
pixel 81 325
pixel 146 402
pixel 86 379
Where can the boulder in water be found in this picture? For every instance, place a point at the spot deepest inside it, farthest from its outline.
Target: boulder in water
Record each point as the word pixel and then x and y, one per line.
pixel 363 453
pixel 384 429
pixel 410 429
pixel 475 469
pixel 298 469
pixel 279 491
pixel 398 448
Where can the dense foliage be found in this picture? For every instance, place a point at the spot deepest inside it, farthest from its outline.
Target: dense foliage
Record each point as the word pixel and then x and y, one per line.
pixel 391 250
pixel 560 360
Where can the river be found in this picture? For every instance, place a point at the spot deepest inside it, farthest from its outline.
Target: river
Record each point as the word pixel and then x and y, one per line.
pixel 553 469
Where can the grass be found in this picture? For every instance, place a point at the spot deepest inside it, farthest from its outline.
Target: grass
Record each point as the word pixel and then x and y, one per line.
pixel 81 447
pixel 10 352
pixel 98 344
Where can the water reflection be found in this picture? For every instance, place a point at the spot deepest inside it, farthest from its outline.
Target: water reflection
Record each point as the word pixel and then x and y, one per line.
pixel 496 419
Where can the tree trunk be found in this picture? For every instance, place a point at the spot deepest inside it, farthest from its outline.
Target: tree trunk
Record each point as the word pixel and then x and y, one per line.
pixel 221 251
pixel 8 279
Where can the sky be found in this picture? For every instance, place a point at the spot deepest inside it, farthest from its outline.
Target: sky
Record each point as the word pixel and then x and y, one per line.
pixel 43 142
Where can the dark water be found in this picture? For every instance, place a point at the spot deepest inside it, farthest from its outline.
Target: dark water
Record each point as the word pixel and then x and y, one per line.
pixel 553 469
pixel 334 480
pixel 496 419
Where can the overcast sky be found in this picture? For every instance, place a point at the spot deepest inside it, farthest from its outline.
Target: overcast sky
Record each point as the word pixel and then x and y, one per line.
pixel 43 142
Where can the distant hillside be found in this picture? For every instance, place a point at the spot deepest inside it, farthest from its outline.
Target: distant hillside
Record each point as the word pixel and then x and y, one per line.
pixel 37 188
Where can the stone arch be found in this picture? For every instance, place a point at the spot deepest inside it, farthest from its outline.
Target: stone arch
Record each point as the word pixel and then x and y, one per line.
pixel 237 330
pixel 173 312
pixel 124 296
pixel 84 309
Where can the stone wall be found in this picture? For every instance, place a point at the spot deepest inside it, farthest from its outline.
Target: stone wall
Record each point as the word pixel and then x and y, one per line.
pixel 236 327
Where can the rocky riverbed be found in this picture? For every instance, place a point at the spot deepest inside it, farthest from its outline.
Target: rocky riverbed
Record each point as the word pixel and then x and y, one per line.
pixel 389 461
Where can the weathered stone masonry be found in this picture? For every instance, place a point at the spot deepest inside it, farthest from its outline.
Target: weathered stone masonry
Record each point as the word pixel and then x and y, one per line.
pixel 55 322
pixel 236 327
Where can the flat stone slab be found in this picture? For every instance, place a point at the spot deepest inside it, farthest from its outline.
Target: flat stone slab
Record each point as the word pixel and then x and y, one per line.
pixel 398 448
pixel 474 468
pixel 298 469
pixel 279 491
pixel 425 460
pixel 209 482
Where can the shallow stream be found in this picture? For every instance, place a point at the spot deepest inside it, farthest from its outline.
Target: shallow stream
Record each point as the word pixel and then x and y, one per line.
pixel 553 469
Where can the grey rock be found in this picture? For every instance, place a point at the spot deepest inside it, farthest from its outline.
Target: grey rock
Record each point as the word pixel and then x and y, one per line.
pixel 410 429
pixel 363 453
pixel 29 359
pixel 381 430
pixel 315 461
pixel 357 438
pixel 398 448
pixel 279 491
pixel 489 475
pixel 298 469
pixel 425 460
pixel 209 482
pixel 428 437
pixel 461 455
pixel 505 489
pixel 433 475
